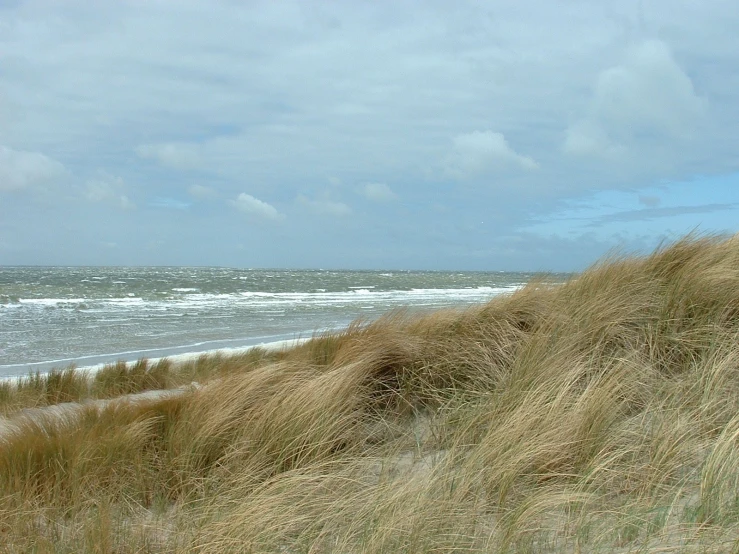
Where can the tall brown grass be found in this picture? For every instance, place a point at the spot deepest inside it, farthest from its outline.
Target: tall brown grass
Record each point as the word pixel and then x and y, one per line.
pixel 596 416
pixel 38 390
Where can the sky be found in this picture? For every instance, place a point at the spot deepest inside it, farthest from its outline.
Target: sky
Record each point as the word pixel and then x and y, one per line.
pixel 523 135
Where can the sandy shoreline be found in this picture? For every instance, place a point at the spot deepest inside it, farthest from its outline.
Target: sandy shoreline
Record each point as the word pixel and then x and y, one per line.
pixel 177 359
pixel 230 351
pixel 69 410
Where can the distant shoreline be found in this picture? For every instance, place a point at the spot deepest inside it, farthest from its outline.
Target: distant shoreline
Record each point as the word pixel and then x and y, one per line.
pixel 176 358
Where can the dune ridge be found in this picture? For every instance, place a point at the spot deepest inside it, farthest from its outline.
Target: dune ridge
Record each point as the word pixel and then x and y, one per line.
pixel 601 415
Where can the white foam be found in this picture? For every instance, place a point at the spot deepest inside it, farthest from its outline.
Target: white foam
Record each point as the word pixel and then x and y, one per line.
pixel 129 301
pixel 50 301
pixel 274 299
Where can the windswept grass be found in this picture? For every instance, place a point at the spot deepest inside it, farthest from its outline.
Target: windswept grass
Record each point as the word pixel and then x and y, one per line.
pixel 70 384
pixel 596 416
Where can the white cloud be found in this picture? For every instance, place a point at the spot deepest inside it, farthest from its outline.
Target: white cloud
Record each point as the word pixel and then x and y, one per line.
pixel 482 152
pixel 587 137
pixel 378 192
pixel 648 96
pixel 253 206
pixel 201 191
pixel 182 156
pixel 650 90
pixel 20 169
pixel 324 207
pixel 125 203
pixel 337 97
pixel 108 189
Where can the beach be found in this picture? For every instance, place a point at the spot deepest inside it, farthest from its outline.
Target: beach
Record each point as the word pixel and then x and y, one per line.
pixel 68 411
pixel 175 359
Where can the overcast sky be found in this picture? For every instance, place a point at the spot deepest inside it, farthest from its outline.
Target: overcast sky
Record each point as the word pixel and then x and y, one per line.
pixel 500 135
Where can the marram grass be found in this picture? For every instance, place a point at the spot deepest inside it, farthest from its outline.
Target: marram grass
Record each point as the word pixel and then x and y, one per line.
pixel 601 415
pixel 37 390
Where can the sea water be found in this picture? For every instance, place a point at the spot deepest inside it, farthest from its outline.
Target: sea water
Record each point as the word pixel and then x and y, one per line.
pixel 57 316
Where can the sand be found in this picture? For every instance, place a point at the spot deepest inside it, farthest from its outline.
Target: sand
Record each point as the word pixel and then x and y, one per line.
pixel 72 410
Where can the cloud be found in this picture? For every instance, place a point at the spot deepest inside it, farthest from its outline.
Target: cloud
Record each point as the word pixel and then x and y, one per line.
pixel 481 152
pixel 253 206
pixel 587 137
pixel 327 95
pixel 201 192
pixel 324 207
pixel 649 214
pixel 649 201
pixel 181 156
pixel 20 169
pixel 125 203
pixel 646 97
pixel 378 192
pixel 108 189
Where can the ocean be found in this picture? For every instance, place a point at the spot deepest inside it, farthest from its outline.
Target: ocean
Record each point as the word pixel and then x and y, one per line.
pixel 57 316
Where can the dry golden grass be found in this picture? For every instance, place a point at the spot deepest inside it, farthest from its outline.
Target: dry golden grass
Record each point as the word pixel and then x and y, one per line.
pixel 37 390
pixel 597 416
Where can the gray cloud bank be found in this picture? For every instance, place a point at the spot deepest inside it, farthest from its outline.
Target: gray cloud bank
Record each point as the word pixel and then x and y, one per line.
pixel 349 134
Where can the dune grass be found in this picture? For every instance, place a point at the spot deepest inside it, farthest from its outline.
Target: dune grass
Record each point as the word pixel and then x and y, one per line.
pixel 37 390
pixel 601 415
